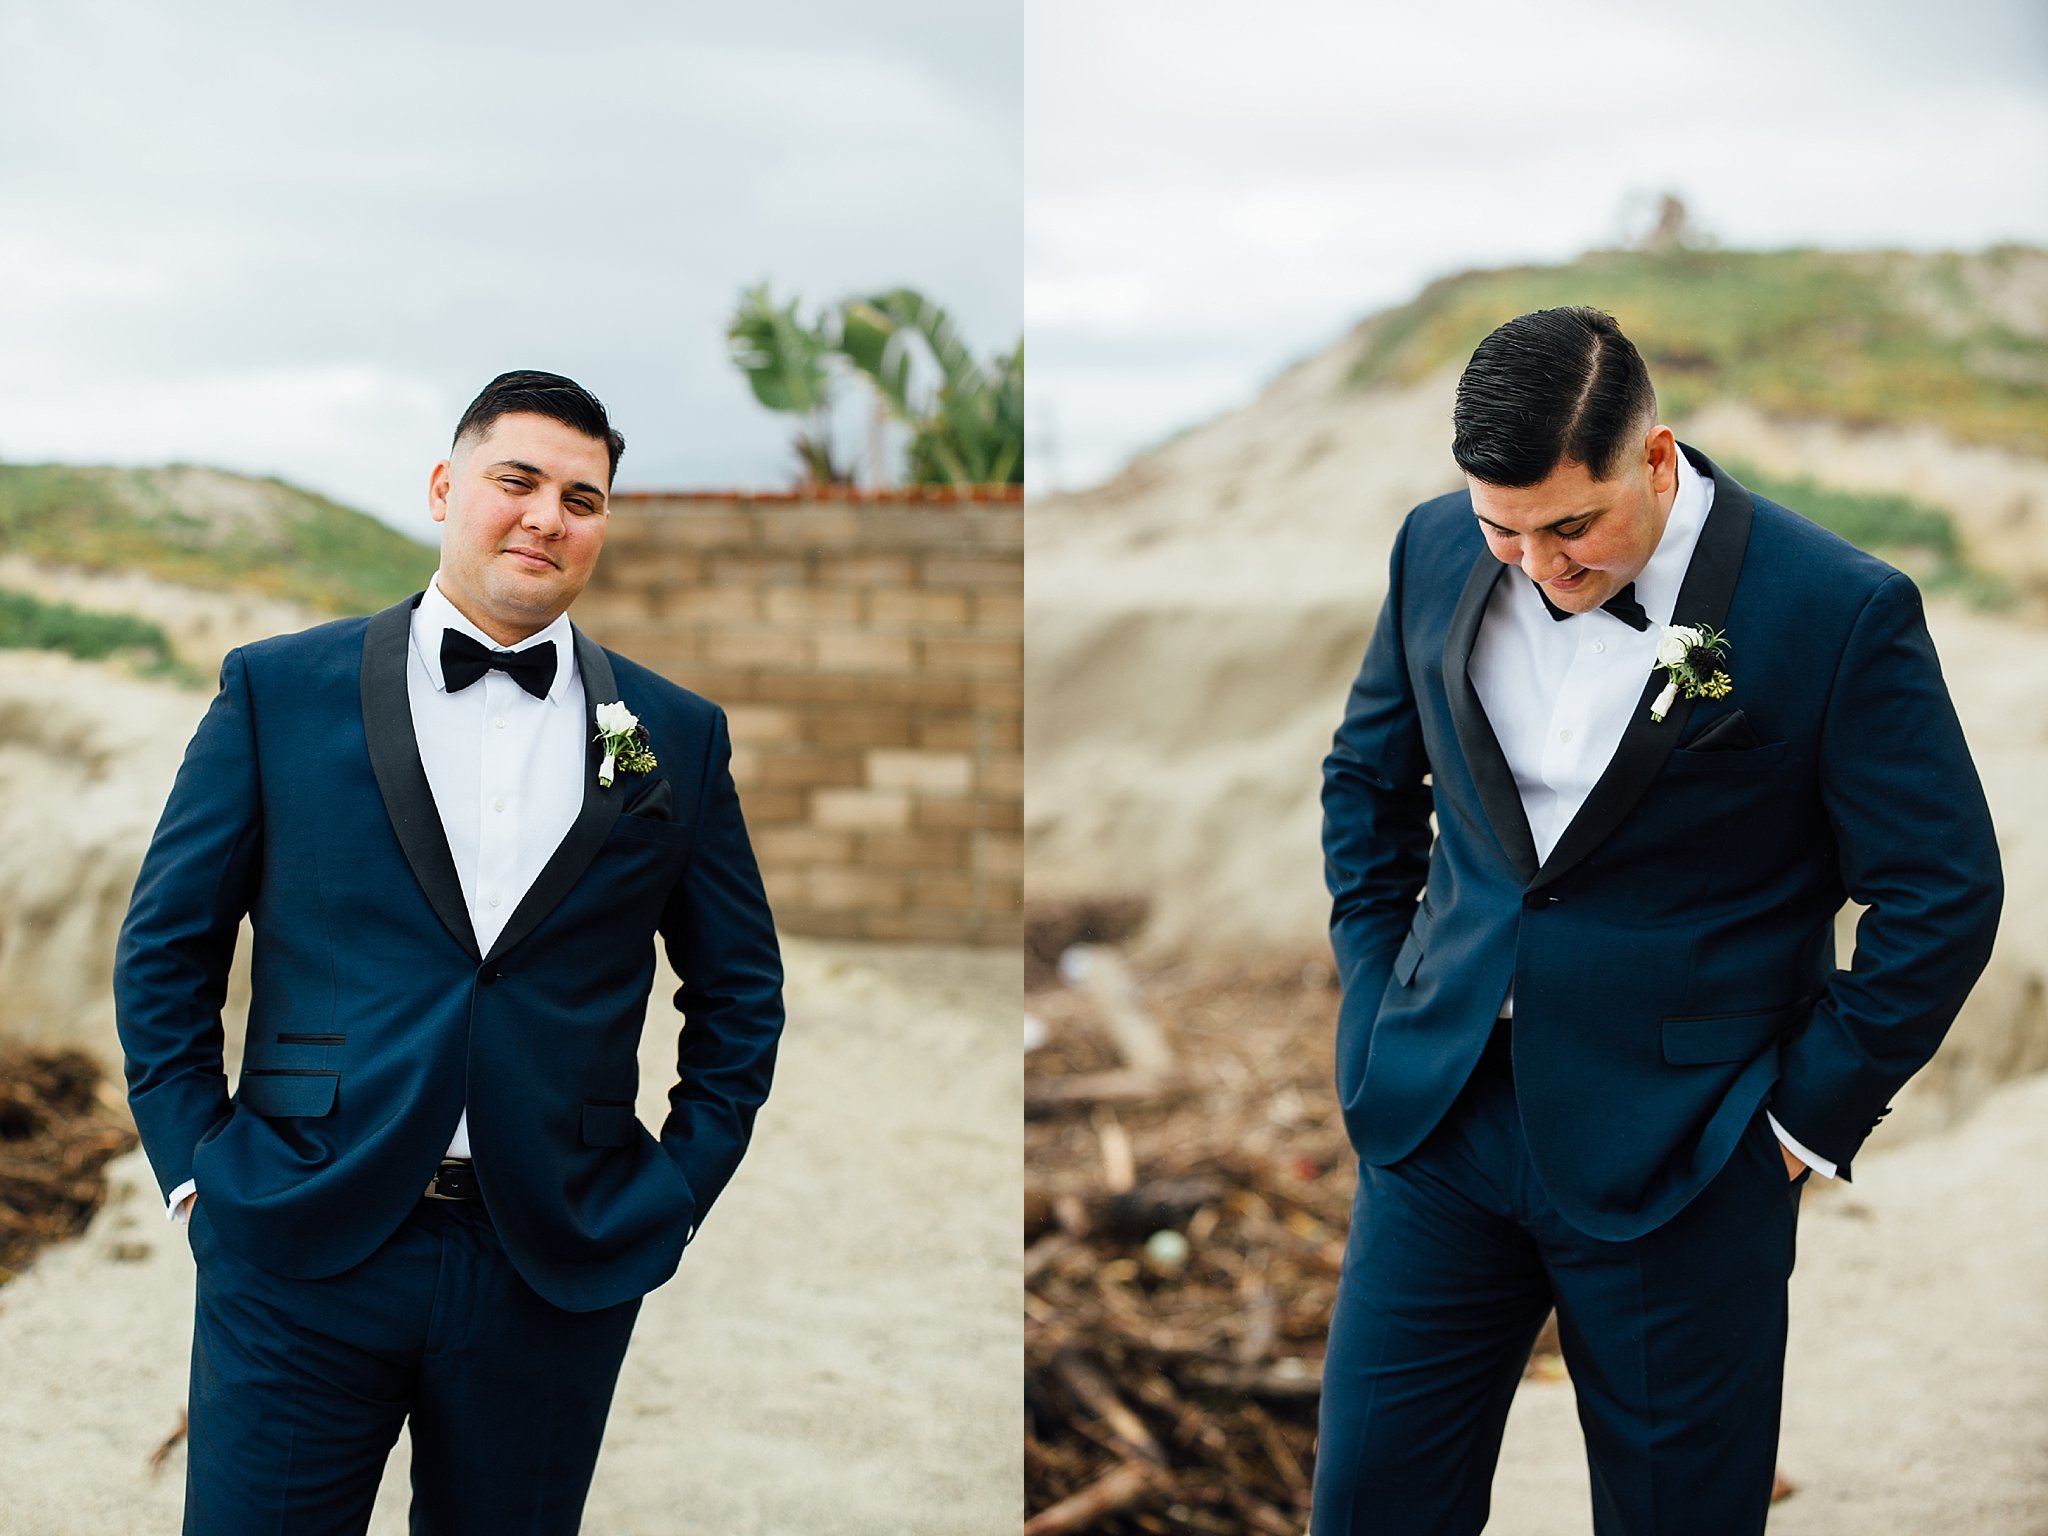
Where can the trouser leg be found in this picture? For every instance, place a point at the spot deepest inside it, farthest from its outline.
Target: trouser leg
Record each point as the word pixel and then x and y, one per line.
pixel 1441 1297
pixel 298 1387
pixel 512 1396
pixel 1676 1346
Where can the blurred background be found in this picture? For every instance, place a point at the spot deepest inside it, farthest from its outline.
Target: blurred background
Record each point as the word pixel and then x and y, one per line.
pixel 1257 254
pixel 297 243
pixel 254 261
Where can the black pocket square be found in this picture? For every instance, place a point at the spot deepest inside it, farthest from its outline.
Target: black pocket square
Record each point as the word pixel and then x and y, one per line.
pixel 1731 733
pixel 653 800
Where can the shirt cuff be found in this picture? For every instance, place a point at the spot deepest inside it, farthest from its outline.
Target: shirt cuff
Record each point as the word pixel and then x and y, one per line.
pixel 177 1198
pixel 1813 1160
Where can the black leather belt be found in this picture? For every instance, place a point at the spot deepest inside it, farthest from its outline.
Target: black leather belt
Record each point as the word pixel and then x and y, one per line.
pixel 1500 1047
pixel 455 1179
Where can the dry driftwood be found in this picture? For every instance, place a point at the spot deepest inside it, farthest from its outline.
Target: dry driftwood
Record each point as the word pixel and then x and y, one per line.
pixel 1120 1487
pixel 1052 927
pixel 1102 976
pixel 1211 1342
pixel 1048 1096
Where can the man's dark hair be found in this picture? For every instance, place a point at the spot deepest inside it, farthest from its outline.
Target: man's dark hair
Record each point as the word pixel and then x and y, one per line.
pixel 1554 385
pixel 542 394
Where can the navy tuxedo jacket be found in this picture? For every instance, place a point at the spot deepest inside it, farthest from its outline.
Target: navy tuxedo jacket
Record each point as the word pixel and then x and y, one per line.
pixel 1672 961
pixel 374 1019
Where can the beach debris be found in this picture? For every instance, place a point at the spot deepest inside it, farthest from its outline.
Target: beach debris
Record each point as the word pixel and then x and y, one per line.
pixel 170 1442
pixel 57 1134
pixel 1182 1248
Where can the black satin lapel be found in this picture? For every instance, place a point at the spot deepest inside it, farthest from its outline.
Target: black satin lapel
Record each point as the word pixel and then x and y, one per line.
pixel 395 759
pixel 1484 759
pixel 593 823
pixel 1703 598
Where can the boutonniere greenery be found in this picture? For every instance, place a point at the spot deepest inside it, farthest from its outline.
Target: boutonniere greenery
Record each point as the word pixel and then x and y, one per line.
pixel 1692 654
pixel 625 743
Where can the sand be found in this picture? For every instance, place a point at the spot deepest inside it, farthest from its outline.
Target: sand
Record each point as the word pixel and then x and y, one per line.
pixel 838 1356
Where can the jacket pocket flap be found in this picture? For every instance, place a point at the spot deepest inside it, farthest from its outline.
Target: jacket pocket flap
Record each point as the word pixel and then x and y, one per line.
pixel 1725 1036
pixel 1406 961
pixel 608 1125
pixel 279 1094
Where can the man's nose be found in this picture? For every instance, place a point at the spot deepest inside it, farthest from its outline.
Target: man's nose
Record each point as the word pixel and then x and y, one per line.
pixel 1540 562
pixel 544 515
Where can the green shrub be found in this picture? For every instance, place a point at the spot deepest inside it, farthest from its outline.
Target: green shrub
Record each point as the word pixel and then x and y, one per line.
pixel 28 623
pixel 1868 338
pixel 170 523
pixel 1921 539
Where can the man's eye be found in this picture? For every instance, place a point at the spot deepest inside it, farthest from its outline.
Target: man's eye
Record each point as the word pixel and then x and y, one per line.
pixel 1574 531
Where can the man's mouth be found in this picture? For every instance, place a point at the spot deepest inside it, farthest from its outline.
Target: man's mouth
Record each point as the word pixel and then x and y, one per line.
pixel 531 559
pixel 1570 583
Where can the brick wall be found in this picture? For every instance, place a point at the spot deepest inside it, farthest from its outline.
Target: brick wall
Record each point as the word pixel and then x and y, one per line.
pixel 868 649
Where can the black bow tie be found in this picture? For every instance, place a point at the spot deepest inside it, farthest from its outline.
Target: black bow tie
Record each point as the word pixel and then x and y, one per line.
pixel 463 661
pixel 1622 605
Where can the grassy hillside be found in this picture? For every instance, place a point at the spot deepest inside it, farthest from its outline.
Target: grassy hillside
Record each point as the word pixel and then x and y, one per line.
pixel 1959 341
pixel 28 623
pixel 1920 540
pixel 207 528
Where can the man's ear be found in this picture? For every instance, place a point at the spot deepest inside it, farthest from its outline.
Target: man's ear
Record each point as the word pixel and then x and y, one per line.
pixel 1660 454
pixel 438 485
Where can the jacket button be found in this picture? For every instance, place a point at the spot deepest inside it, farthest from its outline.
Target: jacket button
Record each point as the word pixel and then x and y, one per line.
pixel 1535 899
pixel 490 975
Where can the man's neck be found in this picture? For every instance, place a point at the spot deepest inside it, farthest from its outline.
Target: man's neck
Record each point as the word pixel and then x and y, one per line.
pixel 506 635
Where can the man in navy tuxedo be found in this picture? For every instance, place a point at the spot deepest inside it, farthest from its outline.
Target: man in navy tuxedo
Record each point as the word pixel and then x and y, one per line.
pixel 429 1197
pixel 1592 1064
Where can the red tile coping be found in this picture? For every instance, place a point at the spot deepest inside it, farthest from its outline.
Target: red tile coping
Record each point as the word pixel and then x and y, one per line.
pixel 941 495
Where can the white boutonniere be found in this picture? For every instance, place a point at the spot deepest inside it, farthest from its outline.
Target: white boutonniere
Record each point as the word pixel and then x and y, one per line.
pixel 625 742
pixel 1692 654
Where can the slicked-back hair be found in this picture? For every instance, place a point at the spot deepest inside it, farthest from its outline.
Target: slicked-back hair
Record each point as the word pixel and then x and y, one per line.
pixel 1549 386
pixel 532 392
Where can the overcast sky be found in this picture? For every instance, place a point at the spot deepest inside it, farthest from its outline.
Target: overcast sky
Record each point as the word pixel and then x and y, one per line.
pixel 1212 191
pixel 296 240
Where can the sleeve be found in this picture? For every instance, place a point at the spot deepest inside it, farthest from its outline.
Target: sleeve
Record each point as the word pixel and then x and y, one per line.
pixel 171 963
pixel 1916 848
pixel 1376 806
pixel 720 937
pixel 176 1198
pixel 1800 1149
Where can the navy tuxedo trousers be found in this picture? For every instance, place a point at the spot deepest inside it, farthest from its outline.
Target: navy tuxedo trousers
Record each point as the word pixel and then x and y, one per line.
pixel 1675 1340
pixel 299 1388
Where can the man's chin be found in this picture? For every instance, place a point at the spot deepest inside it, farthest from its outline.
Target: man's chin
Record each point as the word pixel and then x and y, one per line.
pixel 1589 594
pixel 528 604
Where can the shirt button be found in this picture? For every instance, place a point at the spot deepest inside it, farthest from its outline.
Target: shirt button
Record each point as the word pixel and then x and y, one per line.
pixel 1564 735
pixel 499 806
pixel 1599 646
pixel 494 898
pixel 499 722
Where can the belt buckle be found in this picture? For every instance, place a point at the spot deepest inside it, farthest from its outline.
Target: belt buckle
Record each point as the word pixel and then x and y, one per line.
pixel 433 1191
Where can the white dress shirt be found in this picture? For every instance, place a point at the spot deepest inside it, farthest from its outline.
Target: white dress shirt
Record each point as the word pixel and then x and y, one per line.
pixel 506 770
pixel 1559 692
